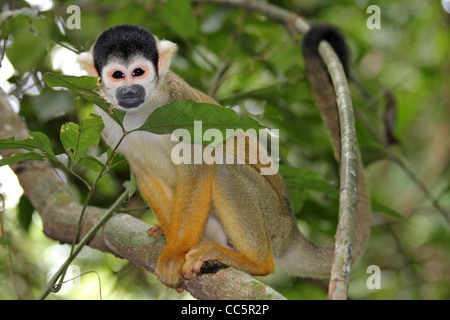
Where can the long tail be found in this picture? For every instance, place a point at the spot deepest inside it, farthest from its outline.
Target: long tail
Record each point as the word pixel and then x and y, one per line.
pixel 312 260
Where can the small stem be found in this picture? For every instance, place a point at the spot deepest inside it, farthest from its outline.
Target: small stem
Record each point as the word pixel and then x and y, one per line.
pixel 60 273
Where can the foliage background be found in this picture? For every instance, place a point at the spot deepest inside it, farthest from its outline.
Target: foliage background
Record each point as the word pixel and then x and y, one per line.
pixel 248 61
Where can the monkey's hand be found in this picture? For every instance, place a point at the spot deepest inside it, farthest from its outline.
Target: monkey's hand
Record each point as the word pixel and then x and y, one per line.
pixel 169 266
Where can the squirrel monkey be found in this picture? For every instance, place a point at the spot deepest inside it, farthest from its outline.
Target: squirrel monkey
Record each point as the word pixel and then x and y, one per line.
pixel 228 213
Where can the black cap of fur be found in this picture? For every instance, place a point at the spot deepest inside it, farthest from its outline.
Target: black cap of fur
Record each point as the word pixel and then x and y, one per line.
pixel 124 42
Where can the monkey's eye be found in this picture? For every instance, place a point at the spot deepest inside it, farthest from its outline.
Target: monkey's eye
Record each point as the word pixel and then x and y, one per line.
pixel 138 72
pixel 118 75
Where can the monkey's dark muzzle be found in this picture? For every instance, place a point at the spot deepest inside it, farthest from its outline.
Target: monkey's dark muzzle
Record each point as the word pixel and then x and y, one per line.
pixel 130 97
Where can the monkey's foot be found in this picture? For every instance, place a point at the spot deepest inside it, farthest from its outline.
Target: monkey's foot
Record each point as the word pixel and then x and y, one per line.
pixel 155 231
pixel 202 259
pixel 168 269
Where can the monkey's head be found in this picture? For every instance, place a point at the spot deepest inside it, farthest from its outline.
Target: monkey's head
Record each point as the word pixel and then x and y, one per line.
pixel 130 61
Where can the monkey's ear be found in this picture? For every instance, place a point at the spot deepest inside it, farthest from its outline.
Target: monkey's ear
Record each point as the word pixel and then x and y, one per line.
pixel 86 60
pixel 166 51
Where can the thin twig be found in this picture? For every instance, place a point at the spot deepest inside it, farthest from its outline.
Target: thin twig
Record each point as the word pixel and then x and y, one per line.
pixel 83 274
pixel 59 274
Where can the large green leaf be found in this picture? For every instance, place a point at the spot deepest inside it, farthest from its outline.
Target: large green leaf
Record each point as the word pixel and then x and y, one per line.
pixel 183 114
pixel 86 87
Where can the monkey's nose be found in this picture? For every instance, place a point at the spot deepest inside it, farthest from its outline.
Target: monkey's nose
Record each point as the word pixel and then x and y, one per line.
pixel 130 91
pixel 130 96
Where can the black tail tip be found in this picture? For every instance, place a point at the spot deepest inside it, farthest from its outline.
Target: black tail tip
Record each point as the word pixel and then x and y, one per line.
pixel 333 36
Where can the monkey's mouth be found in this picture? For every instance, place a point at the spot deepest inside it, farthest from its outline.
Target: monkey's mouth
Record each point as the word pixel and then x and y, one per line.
pixel 130 103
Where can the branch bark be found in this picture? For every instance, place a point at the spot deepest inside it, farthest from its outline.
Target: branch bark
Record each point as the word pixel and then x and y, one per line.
pixel 340 270
pixel 123 235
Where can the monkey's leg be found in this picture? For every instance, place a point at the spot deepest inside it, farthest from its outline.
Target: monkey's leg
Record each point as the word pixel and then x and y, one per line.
pixel 192 203
pixel 240 212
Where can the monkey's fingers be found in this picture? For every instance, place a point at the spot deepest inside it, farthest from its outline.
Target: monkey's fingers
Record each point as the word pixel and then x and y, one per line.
pixel 193 264
pixel 201 259
pixel 192 268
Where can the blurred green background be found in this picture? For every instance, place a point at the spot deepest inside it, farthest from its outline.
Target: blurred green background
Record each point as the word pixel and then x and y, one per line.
pixel 400 93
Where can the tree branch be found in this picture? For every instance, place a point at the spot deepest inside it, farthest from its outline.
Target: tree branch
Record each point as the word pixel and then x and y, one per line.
pixel 340 271
pixel 275 13
pixel 123 235
pixel 347 156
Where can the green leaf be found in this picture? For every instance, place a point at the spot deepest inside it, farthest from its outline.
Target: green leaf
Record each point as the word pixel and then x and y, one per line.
pixel 69 139
pixel 63 158
pixel 297 198
pixel 28 50
pixel 16 22
pixel 183 113
pixel 309 180
pixel 85 87
pixel 5 241
pixel 92 163
pixel 25 212
pixel 287 171
pixel 37 140
pixel 77 139
pixel 19 157
pixel 376 206
pixel 178 14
